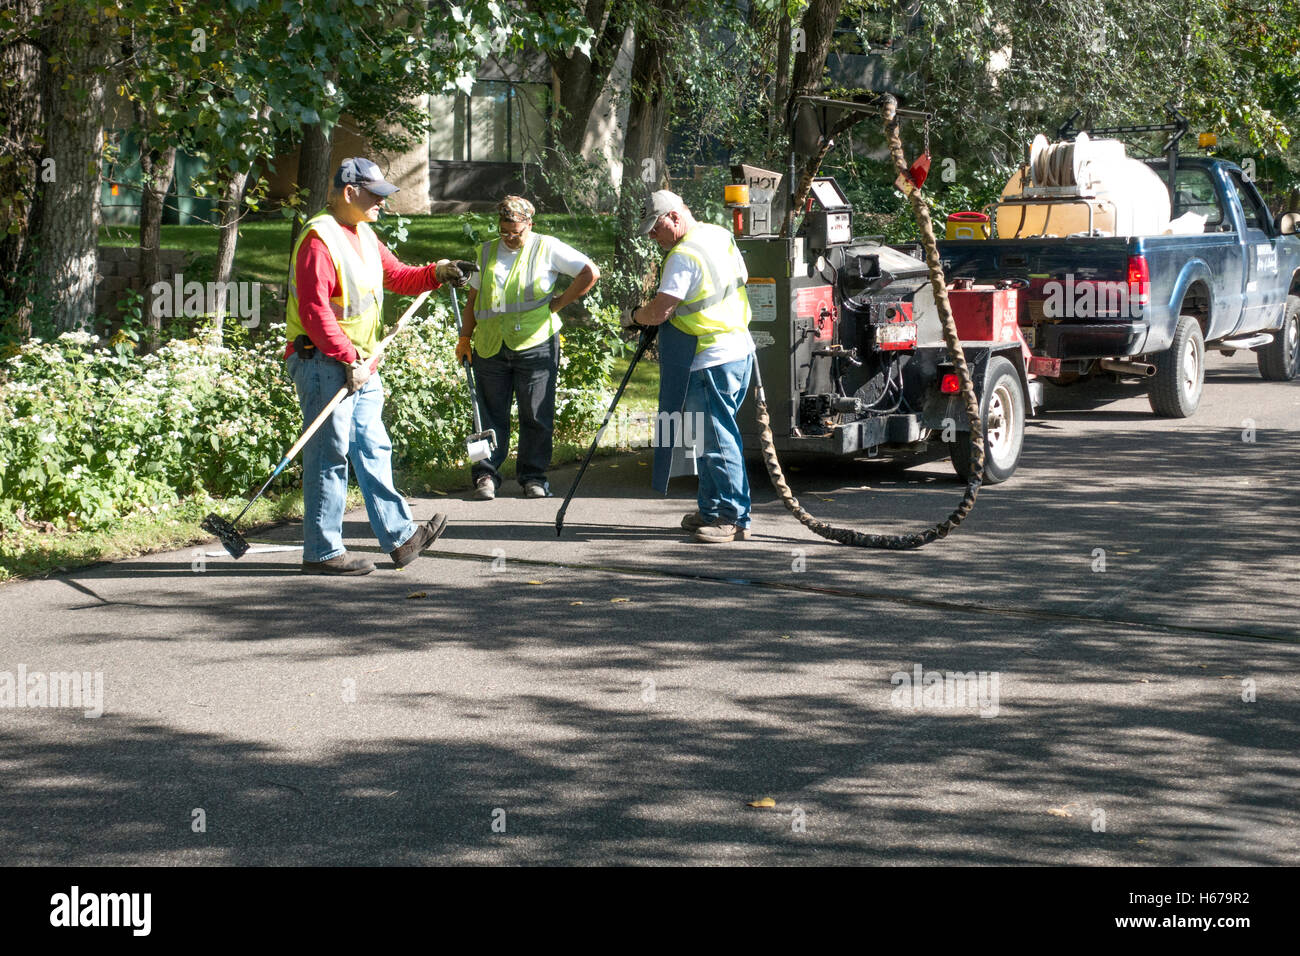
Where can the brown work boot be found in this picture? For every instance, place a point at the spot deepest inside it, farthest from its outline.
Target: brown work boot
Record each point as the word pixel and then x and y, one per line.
pixel 424 536
pixel 721 531
pixel 339 564
pixel 694 522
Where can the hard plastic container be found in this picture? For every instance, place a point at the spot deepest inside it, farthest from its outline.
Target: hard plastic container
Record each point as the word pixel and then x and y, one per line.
pixel 1127 197
pixel 968 225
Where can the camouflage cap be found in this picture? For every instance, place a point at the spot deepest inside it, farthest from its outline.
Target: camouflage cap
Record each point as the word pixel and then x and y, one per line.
pixel 515 209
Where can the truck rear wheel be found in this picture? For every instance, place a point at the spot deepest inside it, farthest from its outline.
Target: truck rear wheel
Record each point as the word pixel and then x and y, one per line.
pixel 1175 389
pixel 1279 361
pixel 1002 410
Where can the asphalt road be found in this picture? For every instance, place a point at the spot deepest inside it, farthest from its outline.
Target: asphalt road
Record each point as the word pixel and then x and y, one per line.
pixel 620 695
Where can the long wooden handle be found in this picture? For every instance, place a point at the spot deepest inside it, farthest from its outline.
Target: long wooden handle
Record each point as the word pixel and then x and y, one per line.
pixel 342 393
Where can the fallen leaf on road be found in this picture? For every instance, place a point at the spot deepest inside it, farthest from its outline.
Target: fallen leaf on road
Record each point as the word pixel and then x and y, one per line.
pixel 534 582
pixel 785 637
pixel 415 594
pixel 619 600
pixel 1204 667
pixel 574 603
pixel 766 803
pixel 1058 812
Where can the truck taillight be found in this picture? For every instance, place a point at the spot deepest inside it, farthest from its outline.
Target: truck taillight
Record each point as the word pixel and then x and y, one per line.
pixel 1139 280
pixel 950 384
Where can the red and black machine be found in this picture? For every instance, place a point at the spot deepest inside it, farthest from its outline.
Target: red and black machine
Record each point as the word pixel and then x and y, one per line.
pixel 850 345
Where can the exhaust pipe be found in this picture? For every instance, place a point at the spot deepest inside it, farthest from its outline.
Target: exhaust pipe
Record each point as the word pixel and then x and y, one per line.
pixel 1139 369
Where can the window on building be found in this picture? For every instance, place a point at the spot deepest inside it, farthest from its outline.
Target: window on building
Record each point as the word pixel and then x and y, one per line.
pixel 499 122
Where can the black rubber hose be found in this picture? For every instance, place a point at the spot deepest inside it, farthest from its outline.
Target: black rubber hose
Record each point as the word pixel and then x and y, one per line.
pixel 915 539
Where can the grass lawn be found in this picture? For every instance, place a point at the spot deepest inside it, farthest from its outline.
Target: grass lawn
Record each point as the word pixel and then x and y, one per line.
pixel 262 254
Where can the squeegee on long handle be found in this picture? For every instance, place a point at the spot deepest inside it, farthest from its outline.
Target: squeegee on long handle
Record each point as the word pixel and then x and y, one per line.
pixel 225 530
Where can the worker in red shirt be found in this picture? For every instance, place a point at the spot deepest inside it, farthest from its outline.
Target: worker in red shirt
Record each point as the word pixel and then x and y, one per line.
pixel 340 271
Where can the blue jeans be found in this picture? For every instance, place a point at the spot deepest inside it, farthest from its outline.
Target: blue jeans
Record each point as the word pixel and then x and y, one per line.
pixel 356 428
pixel 715 395
pixel 527 377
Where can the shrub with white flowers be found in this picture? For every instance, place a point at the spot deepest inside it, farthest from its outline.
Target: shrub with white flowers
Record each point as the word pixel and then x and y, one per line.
pixel 88 435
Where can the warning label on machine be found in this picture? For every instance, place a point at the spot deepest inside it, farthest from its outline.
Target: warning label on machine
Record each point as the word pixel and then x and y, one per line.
pixel 810 302
pixel 762 299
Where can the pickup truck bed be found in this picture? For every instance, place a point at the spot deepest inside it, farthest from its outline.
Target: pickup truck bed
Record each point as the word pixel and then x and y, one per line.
pixel 1096 297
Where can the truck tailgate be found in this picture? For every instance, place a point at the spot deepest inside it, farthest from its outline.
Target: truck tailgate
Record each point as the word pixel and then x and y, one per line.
pixel 1076 303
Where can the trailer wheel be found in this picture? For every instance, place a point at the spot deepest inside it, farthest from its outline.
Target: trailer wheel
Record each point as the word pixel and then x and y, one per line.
pixel 1279 361
pixel 1002 409
pixel 1175 389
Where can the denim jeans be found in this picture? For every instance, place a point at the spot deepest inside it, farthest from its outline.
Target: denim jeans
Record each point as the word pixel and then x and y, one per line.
pixel 715 395
pixel 356 428
pixel 528 376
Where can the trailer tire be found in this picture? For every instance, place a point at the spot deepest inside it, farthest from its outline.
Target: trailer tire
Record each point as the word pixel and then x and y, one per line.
pixel 1175 389
pixel 1279 361
pixel 1002 410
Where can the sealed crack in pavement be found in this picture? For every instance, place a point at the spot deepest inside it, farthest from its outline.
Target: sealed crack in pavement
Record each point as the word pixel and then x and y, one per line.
pixel 885 597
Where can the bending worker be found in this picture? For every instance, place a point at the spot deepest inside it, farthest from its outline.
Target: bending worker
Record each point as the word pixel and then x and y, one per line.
pixel 511 331
pixel 706 357
pixel 336 296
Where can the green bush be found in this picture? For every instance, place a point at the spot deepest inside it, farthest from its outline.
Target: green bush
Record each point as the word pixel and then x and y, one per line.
pixel 88 434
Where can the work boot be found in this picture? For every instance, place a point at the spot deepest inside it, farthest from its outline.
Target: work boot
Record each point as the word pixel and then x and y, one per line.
pixel 485 489
pixel 424 536
pixel 536 489
pixel 694 522
pixel 720 531
pixel 340 564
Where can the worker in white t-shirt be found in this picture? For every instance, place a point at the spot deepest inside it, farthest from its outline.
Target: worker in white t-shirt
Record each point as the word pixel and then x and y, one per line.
pixel 510 330
pixel 706 357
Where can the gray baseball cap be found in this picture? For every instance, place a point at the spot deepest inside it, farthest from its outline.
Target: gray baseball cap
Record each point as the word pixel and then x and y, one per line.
pixel 656 204
pixel 359 171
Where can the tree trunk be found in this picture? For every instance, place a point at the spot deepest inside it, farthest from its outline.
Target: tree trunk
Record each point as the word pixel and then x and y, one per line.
pixel 228 206
pixel 68 228
pixel 22 135
pixel 818 25
pixel 818 29
pixel 313 174
pixel 582 78
pixel 781 85
pixel 645 166
pixel 157 167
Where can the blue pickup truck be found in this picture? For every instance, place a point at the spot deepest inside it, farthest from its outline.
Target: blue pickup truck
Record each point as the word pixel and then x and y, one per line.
pixel 1150 306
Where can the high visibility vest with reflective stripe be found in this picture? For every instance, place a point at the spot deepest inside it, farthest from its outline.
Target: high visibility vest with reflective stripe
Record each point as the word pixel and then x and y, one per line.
pixel 361 282
pixel 519 313
pixel 720 307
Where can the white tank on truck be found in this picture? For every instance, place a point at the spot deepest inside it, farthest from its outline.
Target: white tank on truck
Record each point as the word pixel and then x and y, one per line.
pixel 1075 187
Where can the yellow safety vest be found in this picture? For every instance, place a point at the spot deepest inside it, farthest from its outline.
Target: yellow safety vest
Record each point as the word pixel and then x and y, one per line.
pixel 361 282
pixel 720 307
pixel 519 313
